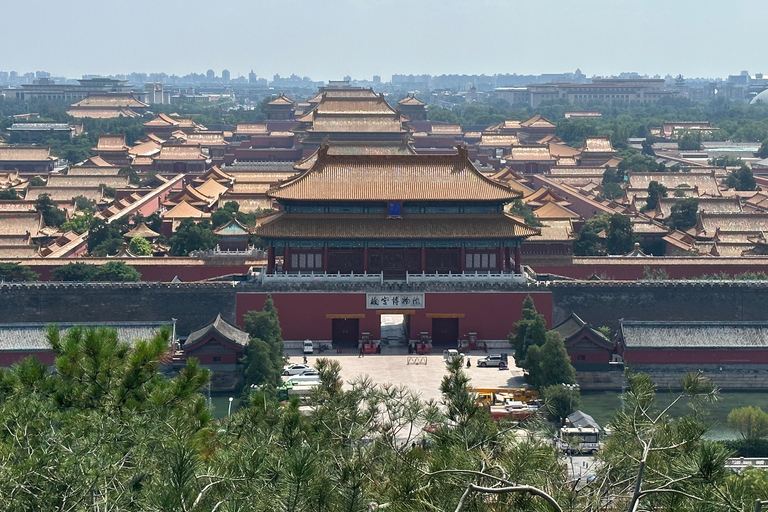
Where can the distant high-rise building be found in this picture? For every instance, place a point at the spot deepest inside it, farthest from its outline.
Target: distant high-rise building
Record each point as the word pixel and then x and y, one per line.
pixel 225 75
pixel 347 78
pixel 210 75
pixel 251 77
pixel 376 79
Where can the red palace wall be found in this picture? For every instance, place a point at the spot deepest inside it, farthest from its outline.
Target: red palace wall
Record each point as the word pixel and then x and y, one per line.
pixel 633 270
pixel 688 356
pixel 9 358
pixel 309 315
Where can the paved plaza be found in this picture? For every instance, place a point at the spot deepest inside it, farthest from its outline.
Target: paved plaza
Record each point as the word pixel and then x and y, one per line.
pixel 423 378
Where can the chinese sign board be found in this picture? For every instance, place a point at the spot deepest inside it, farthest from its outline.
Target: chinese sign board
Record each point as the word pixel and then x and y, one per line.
pixel 394 300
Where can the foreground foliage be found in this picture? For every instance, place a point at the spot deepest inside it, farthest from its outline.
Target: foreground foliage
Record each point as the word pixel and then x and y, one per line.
pixel 107 432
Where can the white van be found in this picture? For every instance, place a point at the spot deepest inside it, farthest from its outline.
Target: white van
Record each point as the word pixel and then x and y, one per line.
pixel 309 347
pixel 303 379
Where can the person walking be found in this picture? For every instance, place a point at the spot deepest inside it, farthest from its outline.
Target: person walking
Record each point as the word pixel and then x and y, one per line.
pixel 361 353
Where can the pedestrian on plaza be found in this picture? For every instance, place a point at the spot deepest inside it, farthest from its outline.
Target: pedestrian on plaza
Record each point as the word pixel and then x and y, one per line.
pixel 305 359
pixel 361 353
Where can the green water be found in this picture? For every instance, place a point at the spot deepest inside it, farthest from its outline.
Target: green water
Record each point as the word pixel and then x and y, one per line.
pixel 220 404
pixel 602 405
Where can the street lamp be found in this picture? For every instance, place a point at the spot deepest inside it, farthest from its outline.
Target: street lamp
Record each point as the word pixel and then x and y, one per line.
pixel 229 410
pixel 570 388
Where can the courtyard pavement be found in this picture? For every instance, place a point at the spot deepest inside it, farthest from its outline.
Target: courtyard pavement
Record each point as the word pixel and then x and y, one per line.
pixel 423 378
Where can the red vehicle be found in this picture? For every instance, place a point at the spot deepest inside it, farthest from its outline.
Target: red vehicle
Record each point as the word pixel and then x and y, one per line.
pixel 422 348
pixel 370 348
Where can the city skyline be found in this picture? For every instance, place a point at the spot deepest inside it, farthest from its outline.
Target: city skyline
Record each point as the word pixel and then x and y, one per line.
pixel 330 41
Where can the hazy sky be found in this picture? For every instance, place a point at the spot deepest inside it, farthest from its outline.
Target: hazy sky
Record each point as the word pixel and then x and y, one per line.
pixel 332 38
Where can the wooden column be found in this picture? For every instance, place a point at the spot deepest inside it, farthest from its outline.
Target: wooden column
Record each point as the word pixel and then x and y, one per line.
pixel 270 259
pixel 365 259
pixel 423 259
pixel 517 260
pixel 325 259
pixel 287 259
pixel 506 258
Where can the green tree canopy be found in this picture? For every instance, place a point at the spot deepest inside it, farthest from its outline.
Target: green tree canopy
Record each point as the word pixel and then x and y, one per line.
pixel 684 214
pixel 655 191
pixel 140 246
pixel 9 194
pixel 559 401
pixel 17 272
pixel 619 237
pixel 116 271
pixel 77 271
pixel 191 236
pixel 263 360
pixel 763 151
pixel 741 179
pixel 529 331
pixel 79 223
pixel 52 216
pixel 589 241
pixel 750 422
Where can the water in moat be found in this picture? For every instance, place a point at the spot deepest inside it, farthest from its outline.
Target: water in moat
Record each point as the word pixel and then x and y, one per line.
pixel 601 406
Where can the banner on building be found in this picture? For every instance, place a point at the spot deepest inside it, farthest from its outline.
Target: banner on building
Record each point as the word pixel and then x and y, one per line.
pixel 394 300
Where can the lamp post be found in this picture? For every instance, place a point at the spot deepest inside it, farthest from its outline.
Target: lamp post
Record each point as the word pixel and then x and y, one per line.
pixel 229 410
pixel 570 388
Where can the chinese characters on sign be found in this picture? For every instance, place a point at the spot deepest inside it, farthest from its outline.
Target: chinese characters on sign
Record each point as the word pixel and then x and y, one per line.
pixel 394 300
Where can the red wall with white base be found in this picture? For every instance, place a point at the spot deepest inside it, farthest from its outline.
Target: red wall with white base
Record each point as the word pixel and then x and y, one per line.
pixel 306 315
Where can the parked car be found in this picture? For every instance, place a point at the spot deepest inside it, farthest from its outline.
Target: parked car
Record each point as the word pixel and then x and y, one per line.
pixel 490 360
pixel 311 371
pixel 296 369
pixel 308 347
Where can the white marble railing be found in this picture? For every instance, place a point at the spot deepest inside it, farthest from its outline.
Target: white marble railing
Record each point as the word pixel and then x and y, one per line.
pixel 307 277
pixel 466 277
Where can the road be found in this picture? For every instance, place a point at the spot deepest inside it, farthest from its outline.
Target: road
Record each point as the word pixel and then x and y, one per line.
pixel 423 378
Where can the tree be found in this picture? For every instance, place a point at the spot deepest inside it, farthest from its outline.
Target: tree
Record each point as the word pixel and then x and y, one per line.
pixel 619 237
pixel 589 242
pixel 524 211
pixel 79 223
pixel 9 194
pixel 726 161
pixel 559 401
pixel 192 237
pixel 661 462
pixel 101 232
pixel 655 191
pixel 108 191
pixel 683 214
pixel 116 271
pixel 612 180
pixel 78 271
pixel 763 151
pixel 52 216
pixel 82 203
pixel 549 364
pixel 140 246
pixel 17 272
pixel 37 181
pixel 750 422
pixel 690 141
pixel 529 331
pixel 263 361
pixel 647 145
pixel 741 179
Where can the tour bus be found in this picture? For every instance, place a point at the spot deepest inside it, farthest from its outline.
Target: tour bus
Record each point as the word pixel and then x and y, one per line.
pixel 579 439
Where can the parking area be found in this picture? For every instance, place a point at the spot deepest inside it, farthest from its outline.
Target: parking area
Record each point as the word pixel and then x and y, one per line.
pixel 422 378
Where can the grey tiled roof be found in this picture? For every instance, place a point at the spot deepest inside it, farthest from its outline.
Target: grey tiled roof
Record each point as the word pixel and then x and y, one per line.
pixel 694 334
pixel 31 336
pixel 227 330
